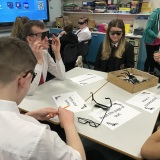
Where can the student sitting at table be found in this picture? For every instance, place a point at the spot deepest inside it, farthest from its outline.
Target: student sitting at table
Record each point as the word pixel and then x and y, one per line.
pixel 66 36
pixel 22 136
pixel 151 148
pixel 36 35
pixel 115 52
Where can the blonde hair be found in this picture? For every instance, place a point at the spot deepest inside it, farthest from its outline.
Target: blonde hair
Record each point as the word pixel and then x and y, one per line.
pixel 106 48
pixel 18 27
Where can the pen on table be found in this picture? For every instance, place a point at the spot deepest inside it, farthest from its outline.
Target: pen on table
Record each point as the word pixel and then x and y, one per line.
pixel 65 107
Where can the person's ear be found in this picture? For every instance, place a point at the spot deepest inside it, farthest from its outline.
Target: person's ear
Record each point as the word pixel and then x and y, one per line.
pixel 22 81
pixel 29 39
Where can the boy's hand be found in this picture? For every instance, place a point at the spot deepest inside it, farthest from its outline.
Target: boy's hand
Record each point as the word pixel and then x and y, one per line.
pixel 43 114
pixel 56 47
pixel 66 117
pixel 37 50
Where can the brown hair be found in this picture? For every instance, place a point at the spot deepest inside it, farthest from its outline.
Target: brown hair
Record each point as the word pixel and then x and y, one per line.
pixel 85 19
pixel 68 26
pixel 18 27
pixel 28 27
pixel 16 56
pixel 106 49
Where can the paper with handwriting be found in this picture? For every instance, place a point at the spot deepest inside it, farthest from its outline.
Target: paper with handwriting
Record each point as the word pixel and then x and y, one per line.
pixel 71 101
pixel 145 100
pixel 117 115
pixel 86 79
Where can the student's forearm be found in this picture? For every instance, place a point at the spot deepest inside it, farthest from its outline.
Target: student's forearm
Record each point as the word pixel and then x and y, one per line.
pixel 58 56
pixel 74 141
pixel 151 150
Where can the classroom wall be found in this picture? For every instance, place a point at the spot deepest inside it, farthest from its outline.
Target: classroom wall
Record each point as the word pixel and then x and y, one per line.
pixel 55 10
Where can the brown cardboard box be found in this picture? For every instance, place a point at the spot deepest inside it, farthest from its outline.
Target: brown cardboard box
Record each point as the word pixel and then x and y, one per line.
pixel 151 80
pixel 59 22
pixel 91 23
pixel 65 18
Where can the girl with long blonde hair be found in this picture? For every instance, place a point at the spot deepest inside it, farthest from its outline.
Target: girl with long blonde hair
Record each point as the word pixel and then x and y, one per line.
pixel 115 52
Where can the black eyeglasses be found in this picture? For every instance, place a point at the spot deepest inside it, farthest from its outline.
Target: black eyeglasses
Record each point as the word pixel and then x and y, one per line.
pixel 41 34
pixel 33 74
pixel 92 123
pixel 98 105
pixel 81 23
pixel 118 33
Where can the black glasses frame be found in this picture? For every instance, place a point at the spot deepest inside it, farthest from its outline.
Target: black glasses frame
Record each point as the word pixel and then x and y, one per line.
pixel 118 33
pixel 42 34
pixel 81 23
pixel 92 123
pixel 33 74
pixel 99 105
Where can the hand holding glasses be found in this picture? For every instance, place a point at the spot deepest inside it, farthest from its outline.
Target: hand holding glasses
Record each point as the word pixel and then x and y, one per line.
pixel 92 123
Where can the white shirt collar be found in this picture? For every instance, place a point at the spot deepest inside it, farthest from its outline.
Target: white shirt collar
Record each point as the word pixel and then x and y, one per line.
pixel 115 44
pixel 8 106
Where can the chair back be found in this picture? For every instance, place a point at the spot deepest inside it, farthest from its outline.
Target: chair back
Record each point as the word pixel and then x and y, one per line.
pixel 83 47
pixel 70 53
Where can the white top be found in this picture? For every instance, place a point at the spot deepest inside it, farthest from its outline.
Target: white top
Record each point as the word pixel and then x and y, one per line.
pixel 57 69
pixel 24 138
pixel 83 34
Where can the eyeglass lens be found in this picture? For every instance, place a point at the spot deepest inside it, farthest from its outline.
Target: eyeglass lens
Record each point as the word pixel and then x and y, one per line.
pixel 118 33
pixel 81 23
pixel 45 34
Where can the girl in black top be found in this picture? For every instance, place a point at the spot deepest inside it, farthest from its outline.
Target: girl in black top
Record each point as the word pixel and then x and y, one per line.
pixel 115 52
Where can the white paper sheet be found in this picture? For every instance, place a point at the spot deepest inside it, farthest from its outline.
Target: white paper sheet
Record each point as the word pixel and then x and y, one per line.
pixel 86 79
pixel 71 101
pixel 117 115
pixel 145 100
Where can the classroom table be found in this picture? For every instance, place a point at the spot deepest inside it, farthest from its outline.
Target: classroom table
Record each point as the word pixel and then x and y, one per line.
pixel 126 139
pixel 129 137
pixel 42 98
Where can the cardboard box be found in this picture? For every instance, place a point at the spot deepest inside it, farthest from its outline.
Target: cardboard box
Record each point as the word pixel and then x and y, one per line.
pixel 151 80
pixel 91 23
pixel 59 22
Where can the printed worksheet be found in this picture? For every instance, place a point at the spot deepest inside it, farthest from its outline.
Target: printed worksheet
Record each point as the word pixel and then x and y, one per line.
pixel 145 100
pixel 71 101
pixel 86 79
pixel 117 115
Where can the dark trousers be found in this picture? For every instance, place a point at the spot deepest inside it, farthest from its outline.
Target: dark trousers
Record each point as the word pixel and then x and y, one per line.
pixel 150 63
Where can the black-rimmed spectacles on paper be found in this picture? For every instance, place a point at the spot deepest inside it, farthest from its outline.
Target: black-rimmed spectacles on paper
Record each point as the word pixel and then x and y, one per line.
pixel 92 123
pixel 99 105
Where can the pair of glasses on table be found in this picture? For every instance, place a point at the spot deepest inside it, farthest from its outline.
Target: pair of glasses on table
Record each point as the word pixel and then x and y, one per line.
pixel 99 105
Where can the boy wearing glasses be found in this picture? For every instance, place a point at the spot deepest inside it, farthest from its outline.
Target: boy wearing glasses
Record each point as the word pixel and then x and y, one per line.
pixel 37 37
pixel 115 52
pixel 22 136
pixel 83 33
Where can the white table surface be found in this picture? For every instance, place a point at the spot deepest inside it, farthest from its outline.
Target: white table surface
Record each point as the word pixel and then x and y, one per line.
pixel 43 96
pixel 129 137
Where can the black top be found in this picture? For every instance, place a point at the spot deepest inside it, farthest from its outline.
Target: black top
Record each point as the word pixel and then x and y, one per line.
pixel 69 38
pixel 114 63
